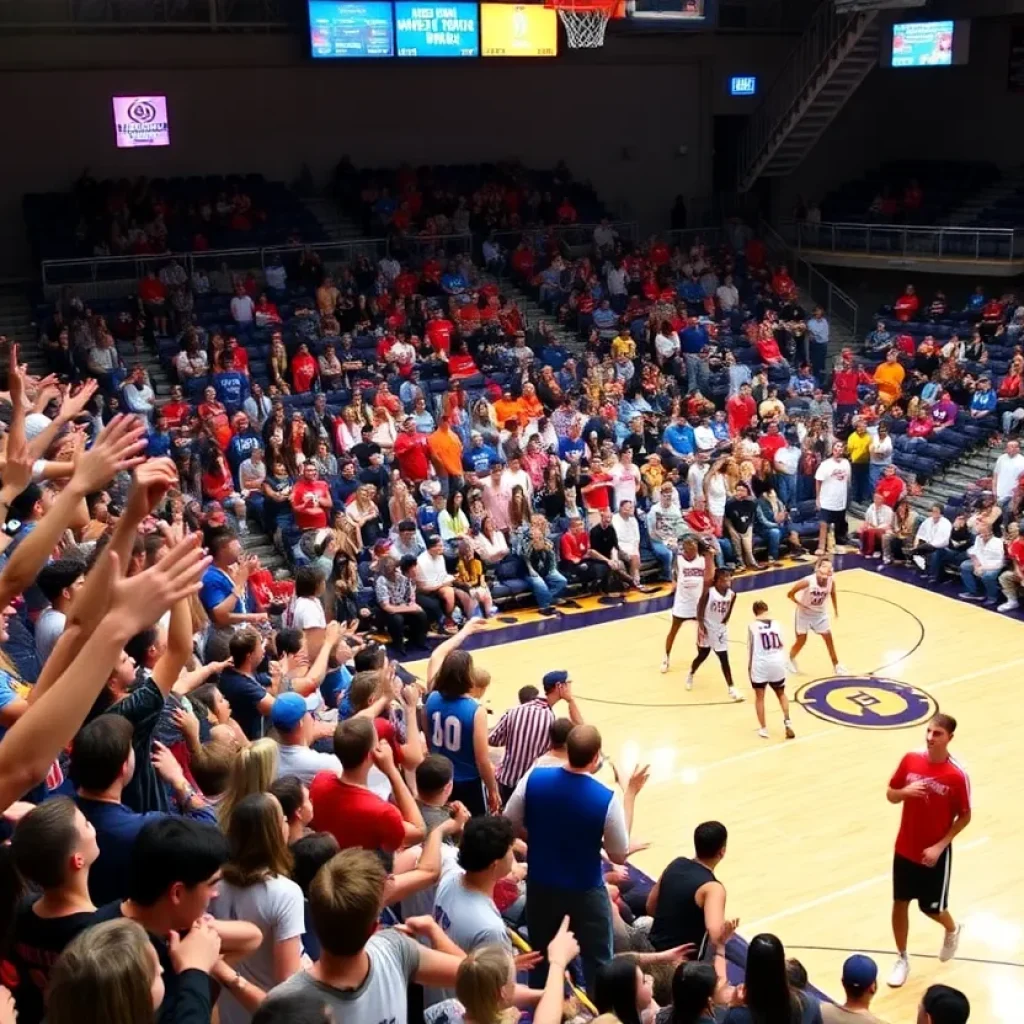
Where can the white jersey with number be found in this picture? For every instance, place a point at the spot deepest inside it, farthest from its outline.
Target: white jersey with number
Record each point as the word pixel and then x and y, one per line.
pixel 812 611
pixel 715 611
pixel 768 652
pixel 689 586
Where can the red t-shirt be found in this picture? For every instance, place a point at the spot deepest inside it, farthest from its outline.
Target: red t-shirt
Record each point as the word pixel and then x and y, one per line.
pixel 906 306
pixel 152 290
pixel 303 372
pixel 575 546
pixel 309 517
pixel 439 334
pixel 386 732
pixel 770 445
pixel 411 453
pixel 844 386
pixel 600 497
pixel 176 412
pixel 768 349
pixel 354 815
pixel 741 412
pixel 891 489
pixel 927 819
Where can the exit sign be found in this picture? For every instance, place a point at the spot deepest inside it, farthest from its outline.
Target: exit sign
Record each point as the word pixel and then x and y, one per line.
pixel 743 85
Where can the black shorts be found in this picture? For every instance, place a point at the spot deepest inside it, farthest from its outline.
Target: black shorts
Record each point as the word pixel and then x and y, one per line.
pixel 830 516
pixel 779 684
pixel 929 886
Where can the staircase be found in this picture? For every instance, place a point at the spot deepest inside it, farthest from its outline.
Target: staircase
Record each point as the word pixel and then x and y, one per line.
pixel 967 213
pixel 337 226
pixel 834 55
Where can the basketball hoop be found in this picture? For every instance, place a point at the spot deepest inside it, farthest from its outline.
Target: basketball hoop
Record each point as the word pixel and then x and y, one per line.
pixel 585 21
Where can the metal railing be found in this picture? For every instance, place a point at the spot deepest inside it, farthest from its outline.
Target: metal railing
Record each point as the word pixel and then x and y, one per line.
pixel 97 269
pixel 570 236
pixel 839 307
pixel 907 242
pixel 686 238
pixel 142 15
pixel 819 44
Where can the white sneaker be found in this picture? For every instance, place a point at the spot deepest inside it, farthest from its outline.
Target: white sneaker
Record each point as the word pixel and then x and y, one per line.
pixel 689 680
pixel 877 554
pixel 949 944
pixel 919 561
pixel 735 694
pixel 791 666
pixel 664 664
pixel 900 970
pixel 763 733
pixel 840 669
pixel 790 735
pixel 1008 606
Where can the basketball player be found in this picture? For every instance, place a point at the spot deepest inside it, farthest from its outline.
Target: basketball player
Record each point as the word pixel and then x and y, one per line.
pixel 936 796
pixel 693 570
pixel 811 596
pixel 766 664
pixel 713 611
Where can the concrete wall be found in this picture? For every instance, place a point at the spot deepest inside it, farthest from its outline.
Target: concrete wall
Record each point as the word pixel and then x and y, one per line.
pixel 617 116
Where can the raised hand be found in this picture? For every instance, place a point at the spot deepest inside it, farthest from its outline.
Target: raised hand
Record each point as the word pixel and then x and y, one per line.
pixel 118 447
pixel 74 405
pixel 138 601
pixel 638 779
pixel 153 479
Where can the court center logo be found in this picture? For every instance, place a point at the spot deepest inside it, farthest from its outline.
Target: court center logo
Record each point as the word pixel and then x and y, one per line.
pixel 867 702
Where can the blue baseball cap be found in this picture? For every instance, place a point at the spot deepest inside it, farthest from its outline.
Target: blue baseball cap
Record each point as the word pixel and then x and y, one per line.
pixel 557 678
pixel 859 972
pixel 290 708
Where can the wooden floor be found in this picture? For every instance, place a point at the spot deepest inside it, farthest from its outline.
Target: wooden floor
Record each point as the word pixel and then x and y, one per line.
pixel 810 831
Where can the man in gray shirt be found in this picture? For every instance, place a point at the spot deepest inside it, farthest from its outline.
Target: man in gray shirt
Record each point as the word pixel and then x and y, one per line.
pixel 363 974
pixel 58 582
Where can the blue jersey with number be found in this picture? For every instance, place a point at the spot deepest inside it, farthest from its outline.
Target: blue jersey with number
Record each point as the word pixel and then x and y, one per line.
pixel 450 733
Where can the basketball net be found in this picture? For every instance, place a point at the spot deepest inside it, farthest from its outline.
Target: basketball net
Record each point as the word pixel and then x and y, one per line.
pixel 584 30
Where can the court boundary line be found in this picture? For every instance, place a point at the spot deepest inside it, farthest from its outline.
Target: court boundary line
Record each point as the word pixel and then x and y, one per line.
pixel 830 897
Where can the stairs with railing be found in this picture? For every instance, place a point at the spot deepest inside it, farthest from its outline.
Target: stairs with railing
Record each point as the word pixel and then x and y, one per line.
pixel 833 56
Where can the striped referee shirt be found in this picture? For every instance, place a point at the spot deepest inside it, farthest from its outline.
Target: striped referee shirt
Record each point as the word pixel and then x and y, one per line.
pixel 523 732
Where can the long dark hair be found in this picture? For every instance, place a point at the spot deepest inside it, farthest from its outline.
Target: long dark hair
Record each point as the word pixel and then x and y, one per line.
pixel 455 676
pixel 769 997
pixel 693 987
pixel 615 989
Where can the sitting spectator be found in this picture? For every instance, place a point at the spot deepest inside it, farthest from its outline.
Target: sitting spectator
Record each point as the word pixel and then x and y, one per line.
pixel 982 567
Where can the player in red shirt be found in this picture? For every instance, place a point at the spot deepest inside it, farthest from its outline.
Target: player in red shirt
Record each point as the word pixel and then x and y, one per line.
pixel 936 796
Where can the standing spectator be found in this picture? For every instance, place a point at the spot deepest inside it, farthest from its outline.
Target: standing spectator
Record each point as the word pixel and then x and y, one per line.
pixel 1006 472
pixel 524 730
pixel 58 582
pixel 858 447
pixel 243 309
pixel 311 499
pixel 345 806
pixel 831 496
pixel 567 817
pixel 889 378
pixel 739 523
pixel 981 569
pixel 907 305
pixel 881 455
pixel 818 330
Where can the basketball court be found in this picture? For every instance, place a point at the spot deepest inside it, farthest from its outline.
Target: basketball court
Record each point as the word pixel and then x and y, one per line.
pixel 810 831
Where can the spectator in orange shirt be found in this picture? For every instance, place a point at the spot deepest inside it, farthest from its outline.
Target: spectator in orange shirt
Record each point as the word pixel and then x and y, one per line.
pixel 530 404
pixel 445 450
pixel 889 377
pixel 508 408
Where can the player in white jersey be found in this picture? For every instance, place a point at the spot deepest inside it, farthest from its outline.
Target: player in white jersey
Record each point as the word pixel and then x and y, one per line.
pixel 766 664
pixel 693 570
pixel 713 611
pixel 811 596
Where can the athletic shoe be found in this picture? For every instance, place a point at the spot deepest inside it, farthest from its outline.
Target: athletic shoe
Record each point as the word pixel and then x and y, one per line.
pixel 840 669
pixel 763 733
pixel 900 970
pixel 882 567
pixel 547 612
pixel 1008 606
pixel 791 666
pixel 966 595
pixel 877 554
pixel 886 561
pixel 664 664
pixel 689 680
pixel 949 944
pixel 790 735
pixel 735 694
pixel 919 561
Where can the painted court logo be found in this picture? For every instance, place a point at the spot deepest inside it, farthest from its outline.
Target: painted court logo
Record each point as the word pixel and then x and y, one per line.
pixel 867 702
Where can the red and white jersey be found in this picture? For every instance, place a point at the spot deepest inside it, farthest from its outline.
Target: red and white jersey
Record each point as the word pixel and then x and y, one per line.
pixel 768 651
pixel 927 819
pixel 689 586
pixel 814 598
pixel 717 608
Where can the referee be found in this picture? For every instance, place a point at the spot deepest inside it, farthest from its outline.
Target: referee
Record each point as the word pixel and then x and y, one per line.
pixel 523 730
